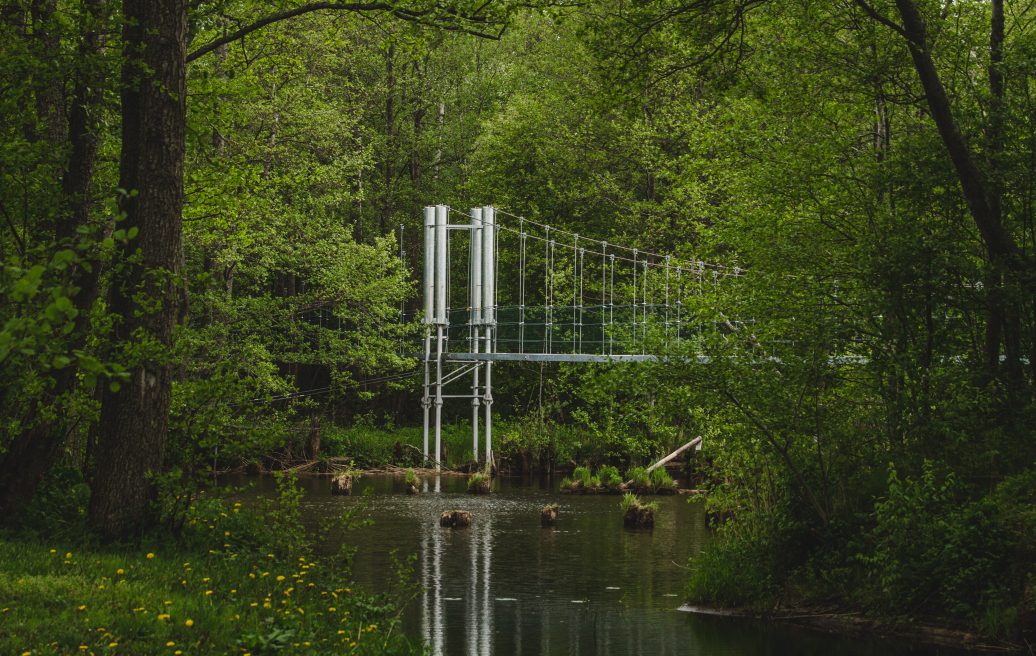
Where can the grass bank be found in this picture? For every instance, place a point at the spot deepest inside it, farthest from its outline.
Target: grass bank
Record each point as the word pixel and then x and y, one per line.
pixel 224 588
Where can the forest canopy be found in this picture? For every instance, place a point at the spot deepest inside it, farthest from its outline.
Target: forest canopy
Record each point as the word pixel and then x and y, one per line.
pixel 211 246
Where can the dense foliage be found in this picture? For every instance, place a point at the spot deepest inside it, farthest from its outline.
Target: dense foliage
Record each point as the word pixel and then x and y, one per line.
pixel 869 395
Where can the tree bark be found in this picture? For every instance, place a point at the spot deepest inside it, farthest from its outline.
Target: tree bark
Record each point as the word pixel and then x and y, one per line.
pixel 146 296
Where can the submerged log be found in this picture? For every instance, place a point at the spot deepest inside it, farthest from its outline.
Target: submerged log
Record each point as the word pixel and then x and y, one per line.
pixel 455 519
pixel 412 489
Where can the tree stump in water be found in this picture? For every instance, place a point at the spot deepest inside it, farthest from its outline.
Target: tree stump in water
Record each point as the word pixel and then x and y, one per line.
pixel 639 517
pixel 342 484
pixel 412 489
pixel 455 519
pixel 479 483
pixel 549 515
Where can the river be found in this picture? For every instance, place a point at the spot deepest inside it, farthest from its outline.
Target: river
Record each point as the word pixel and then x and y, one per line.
pixel 507 586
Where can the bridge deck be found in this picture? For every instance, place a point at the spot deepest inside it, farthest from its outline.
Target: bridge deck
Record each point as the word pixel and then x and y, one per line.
pixel 546 357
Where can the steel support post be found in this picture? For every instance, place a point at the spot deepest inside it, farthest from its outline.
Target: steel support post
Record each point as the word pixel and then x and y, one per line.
pixel 440 321
pixel 429 315
pixel 475 288
pixel 489 314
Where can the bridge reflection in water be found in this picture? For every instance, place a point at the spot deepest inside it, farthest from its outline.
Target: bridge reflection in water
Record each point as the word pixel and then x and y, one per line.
pixel 506 586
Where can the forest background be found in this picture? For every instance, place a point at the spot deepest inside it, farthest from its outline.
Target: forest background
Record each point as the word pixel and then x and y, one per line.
pixel 204 205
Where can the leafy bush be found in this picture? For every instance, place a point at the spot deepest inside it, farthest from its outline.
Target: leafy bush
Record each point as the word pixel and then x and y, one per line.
pixel 964 559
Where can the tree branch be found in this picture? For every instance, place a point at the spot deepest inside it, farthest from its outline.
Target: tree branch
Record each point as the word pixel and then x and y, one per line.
pixel 884 20
pixel 413 16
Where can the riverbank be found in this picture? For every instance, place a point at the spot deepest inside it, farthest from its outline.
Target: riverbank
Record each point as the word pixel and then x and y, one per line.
pixel 855 624
pixel 66 599
pixel 214 576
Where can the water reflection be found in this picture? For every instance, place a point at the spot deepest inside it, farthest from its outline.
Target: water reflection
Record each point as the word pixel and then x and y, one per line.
pixel 507 586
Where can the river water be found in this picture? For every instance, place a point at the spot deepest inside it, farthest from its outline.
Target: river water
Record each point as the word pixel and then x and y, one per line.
pixel 507 586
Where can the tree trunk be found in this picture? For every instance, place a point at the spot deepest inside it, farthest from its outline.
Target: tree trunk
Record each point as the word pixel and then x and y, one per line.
pixel 390 141
pixel 982 193
pixel 146 297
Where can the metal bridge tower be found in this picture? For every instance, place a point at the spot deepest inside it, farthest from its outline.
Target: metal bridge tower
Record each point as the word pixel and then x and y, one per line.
pixel 481 321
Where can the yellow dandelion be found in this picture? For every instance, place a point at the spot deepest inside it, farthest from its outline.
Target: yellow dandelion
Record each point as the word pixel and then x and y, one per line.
pixel 150 556
pixel 68 555
pixel 170 644
pixel 331 609
pixel 120 571
pixel 81 607
pixel 163 616
pixel 279 578
pixel 189 623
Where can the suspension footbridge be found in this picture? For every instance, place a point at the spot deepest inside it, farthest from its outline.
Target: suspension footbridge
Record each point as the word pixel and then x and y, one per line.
pixel 527 291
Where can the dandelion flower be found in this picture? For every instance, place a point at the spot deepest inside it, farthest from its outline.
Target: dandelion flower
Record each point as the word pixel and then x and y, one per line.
pixel 150 556
pixel 120 571
pixel 170 644
pixel 189 623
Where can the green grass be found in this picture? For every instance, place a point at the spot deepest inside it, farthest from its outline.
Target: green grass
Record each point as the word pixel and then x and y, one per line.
pixel 609 476
pixel 411 478
pixel 630 500
pixel 582 476
pixel 640 477
pixel 374 447
pixel 63 600
pixel 661 480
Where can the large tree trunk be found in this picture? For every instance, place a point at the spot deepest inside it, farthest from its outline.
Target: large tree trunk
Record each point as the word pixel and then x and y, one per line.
pixel 146 294
pixel 34 451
